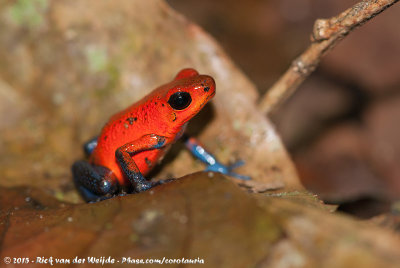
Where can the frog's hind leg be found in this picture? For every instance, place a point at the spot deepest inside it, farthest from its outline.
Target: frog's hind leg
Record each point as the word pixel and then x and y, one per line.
pixel 95 183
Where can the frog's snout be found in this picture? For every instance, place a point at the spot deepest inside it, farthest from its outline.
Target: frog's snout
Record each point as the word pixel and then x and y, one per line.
pixel 208 85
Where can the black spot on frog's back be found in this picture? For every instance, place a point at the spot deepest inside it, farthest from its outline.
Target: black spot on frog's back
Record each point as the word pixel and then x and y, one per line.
pixel 131 120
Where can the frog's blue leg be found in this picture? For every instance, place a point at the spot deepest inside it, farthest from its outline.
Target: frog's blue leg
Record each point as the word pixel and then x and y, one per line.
pixel 95 183
pixel 211 161
pixel 89 146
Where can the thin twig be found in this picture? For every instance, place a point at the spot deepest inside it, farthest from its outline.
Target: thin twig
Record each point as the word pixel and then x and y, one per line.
pixel 326 35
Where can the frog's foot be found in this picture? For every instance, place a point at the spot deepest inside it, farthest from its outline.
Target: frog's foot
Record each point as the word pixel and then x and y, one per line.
pixel 147 185
pixel 91 197
pixel 228 170
pixel 95 183
pixel 160 182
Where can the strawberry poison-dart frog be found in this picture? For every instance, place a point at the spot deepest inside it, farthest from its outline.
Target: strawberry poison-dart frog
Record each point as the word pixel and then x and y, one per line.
pixel 133 140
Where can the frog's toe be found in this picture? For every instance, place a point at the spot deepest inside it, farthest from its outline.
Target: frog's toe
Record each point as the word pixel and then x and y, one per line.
pixel 228 170
pixel 159 182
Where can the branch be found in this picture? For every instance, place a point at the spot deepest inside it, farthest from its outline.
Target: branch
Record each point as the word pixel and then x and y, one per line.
pixel 326 35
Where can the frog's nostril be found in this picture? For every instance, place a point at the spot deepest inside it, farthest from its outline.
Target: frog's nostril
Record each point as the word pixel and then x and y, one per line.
pixel 206 89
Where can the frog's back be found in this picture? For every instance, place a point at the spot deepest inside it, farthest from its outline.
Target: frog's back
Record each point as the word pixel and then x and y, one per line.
pixel 126 126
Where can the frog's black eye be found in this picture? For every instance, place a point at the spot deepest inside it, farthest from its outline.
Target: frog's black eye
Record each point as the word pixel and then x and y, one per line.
pixel 180 100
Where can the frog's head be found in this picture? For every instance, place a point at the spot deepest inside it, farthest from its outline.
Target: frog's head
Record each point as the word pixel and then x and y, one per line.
pixel 187 94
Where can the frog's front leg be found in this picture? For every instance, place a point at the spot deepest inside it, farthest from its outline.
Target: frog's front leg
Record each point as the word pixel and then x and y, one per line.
pixel 194 146
pixel 124 157
pixel 95 183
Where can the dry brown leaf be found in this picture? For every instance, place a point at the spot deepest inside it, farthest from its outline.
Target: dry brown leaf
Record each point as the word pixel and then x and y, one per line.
pixel 196 216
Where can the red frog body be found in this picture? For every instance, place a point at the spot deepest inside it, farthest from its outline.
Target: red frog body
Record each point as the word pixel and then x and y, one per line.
pixel 135 139
pixel 152 115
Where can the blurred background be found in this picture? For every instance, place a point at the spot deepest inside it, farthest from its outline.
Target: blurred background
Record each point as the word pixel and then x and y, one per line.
pixel 341 126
